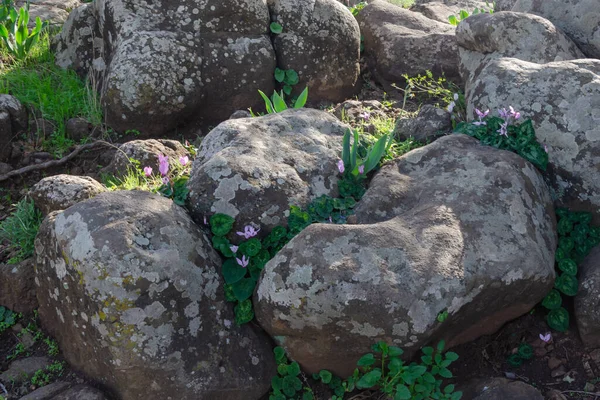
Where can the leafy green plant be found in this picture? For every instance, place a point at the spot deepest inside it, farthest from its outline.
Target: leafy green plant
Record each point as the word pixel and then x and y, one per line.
pixel 20 229
pixel 524 353
pixel 576 238
pixel 48 374
pixel 15 33
pixel 287 78
pixel 356 165
pixel 462 15
pixel 506 134
pixel 357 8
pixel 19 350
pixel 276 28
pixel 386 371
pixel 287 384
pixel 7 318
pixel 277 102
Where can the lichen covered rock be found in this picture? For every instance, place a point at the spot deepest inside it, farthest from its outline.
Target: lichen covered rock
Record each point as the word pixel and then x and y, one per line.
pixel 451 227
pixel 130 288
pixel 587 300
pixel 255 169
pixel 59 192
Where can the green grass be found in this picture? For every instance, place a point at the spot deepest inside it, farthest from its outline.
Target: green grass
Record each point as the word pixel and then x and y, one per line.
pixel 56 94
pixel 20 229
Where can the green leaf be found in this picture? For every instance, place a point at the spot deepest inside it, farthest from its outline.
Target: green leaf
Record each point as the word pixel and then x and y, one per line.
pixel 279 75
pixel 244 312
pixel 567 284
pixel 276 28
pixel 278 103
pixel 568 266
pixel 279 354
pixel 525 351
pixel 369 379
pixel 346 148
pixel 301 101
pixel 553 300
pixel 395 351
pixel 402 393
pixel 366 360
pixel 287 89
pixel 250 248
pixel 244 288
pixel 308 396
pixel 3 32
pixel 451 356
pixel 463 15
pixel 558 319
pixel 289 385
pixel 449 389
pixel 294 369
pixel 291 77
pixel 232 271
pixel 221 224
pixel 441 345
pixel 453 20
pixel 268 103
pixel 325 376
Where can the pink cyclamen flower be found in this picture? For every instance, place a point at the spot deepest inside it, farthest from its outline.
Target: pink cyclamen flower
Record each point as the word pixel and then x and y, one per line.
pixel 233 248
pixel 165 180
pixel 503 131
pixel 546 338
pixel 546 148
pixel 147 171
pixel 341 167
pixel 163 166
pixel 361 169
pixel 482 114
pixel 243 262
pixel 451 106
pixel 184 160
pixel 205 221
pixel 455 96
pixel 249 232
pixel 365 115
pixel 504 113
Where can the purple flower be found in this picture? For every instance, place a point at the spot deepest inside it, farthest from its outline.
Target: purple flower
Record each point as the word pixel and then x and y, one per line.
pixel 330 220
pixel 249 232
pixel 163 166
pixel 545 148
pixel 503 113
pixel 482 114
pixel 361 169
pixel 243 262
pixel 455 96
pixel 503 131
pixel 184 160
pixel 365 115
pixel 233 248
pixel 205 221
pixel 450 107
pixel 547 338
pixel 478 123
pixel 341 167
pixel 165 180
pixel 147 171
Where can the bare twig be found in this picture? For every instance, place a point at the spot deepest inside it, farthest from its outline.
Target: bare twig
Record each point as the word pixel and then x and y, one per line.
pixel 54 163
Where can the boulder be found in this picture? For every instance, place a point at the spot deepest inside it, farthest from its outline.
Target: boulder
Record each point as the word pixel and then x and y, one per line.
pixel 161 64
pixel 527 37
pixel 442 10
pixel 80 392
pixel 358 111
pixel 563 100
pixel 130 289
pixel 398 41
pixel 17 287
pixel 430 123
pixel 255 169
pixel 578 18
pixel 452 227
pixel 146 152
pixel 59 192
pixel 501 389
pixel 320 41
pixel 54 12
pixel 588 299
pixel 504 5
pixel 22 370
pixel 13 119
pixel 46 392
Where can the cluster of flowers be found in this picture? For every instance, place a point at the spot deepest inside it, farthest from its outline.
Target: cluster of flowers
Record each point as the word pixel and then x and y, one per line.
pixel 341 168
pixel 508 116
pixel 249 232
pixel 163 167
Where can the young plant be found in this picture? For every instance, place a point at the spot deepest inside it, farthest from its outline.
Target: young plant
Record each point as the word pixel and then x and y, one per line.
pixel 287 384
pixel 20 229
pixel 7 318
pixel 277 103
pixel 524 353
pixel 357 8
pixel 397 380
pixel 15 32
pixel 462 15
pixel 276 28
pixel 287 78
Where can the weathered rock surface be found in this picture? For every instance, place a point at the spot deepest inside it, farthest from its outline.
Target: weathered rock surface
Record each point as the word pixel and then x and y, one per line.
pixel 441 10
pixel 55 12
pixel 59 192
pixel 254 169
pixel 453 226
pixel 13 119
pixel 399 41
pixel 580 19
pixel 501 389
pixel 146 152
pixel 430 123
pixel 131 290
pixel 17 287
pixel 587 300
pixel 527 37
pixel 23 369
pixel 321 41
pixel 80 392
pixel 46 392
pixel 563 100
pixel 504 5
pixel 159 65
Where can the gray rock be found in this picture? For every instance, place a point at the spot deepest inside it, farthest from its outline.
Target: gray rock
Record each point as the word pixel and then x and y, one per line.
pixel 131 290
pixel 504 5
pixel 562 99
pixel 17 288
pixel 453 226
pixel 254 169
pixel 587 300
pixel 59 192
pixel 240 114
pixel 54 12
pixel 442 10
pixel 578 18
pixel 13 119
pixel 321 41
pixel 399 41
pixel 22 370
pixel 78 128
pixel 359 111
pixel 4 167
pixel 190 60
pixel 146 152
pixel 527 37
pixel 80 392
pixel 430 123
pixel 501 389
pixel 46 392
